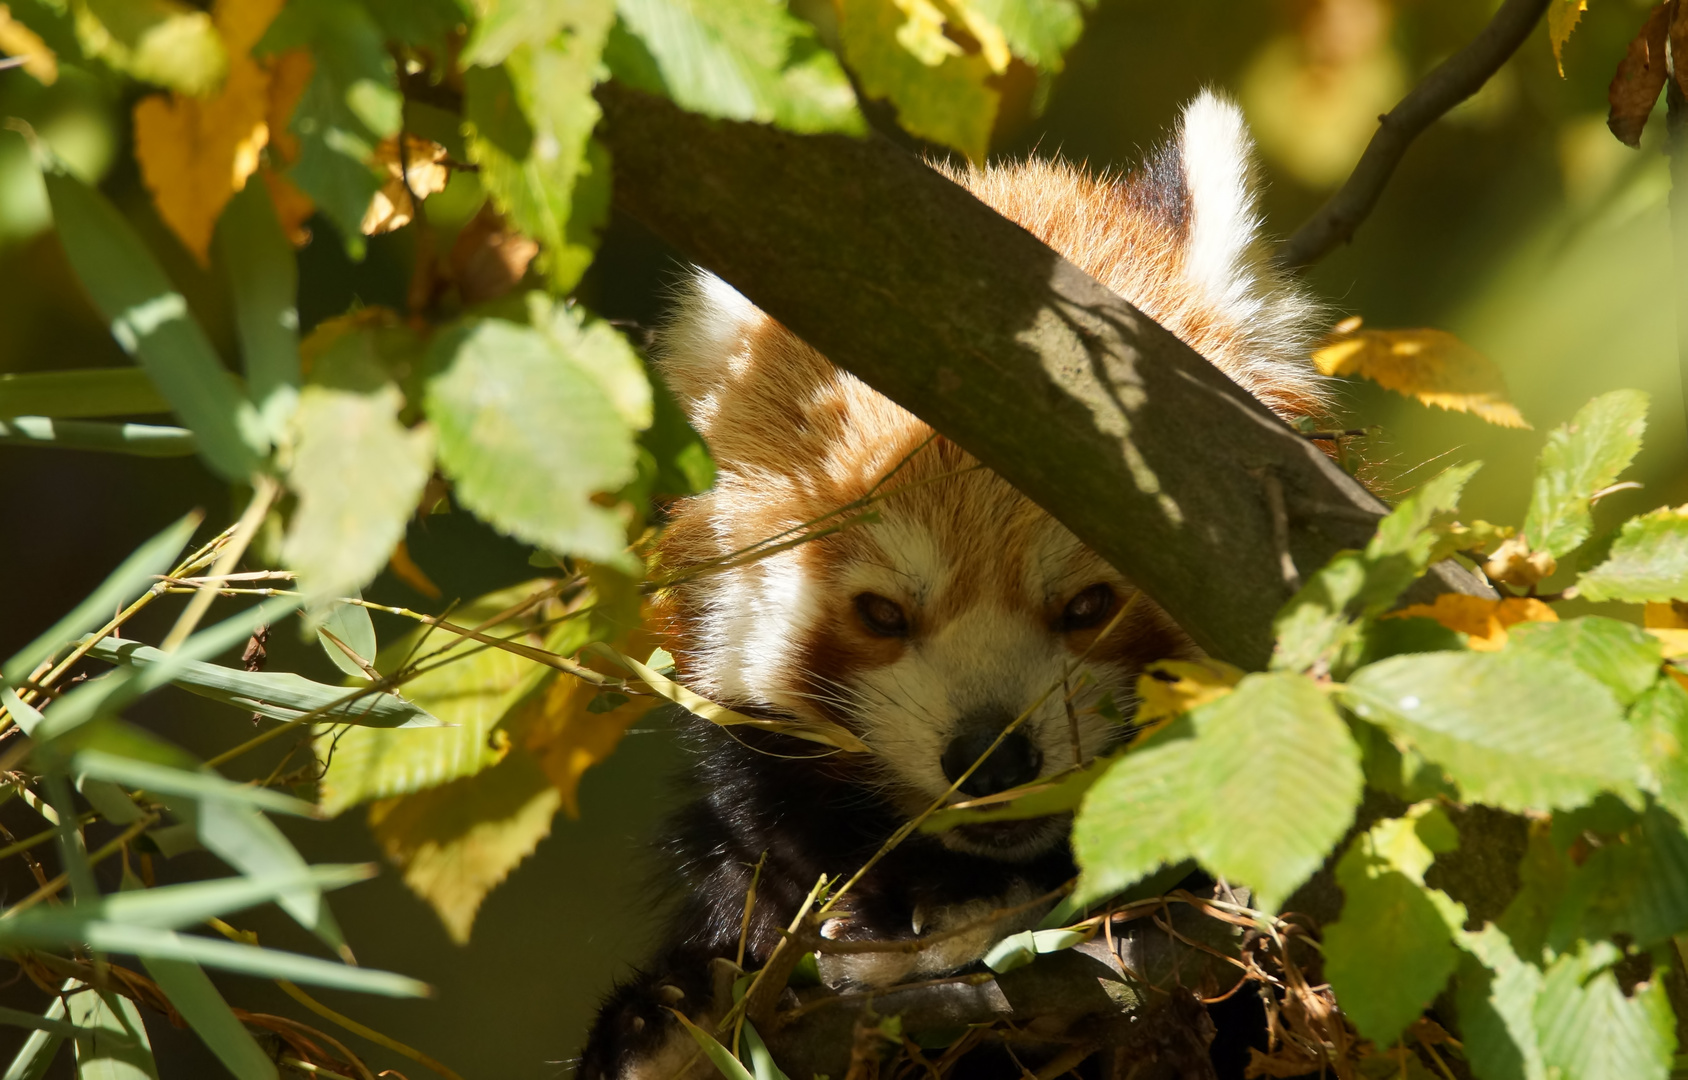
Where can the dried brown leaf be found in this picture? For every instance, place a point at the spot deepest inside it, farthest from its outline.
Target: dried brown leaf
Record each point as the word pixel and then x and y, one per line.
pixel 489 258
pixel 422 173
pixel 1640 76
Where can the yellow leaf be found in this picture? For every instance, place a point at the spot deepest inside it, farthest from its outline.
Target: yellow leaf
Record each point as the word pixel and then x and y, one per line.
pixel 421 175
pixel 1170 687
pixel 1513 563
pixel 1482 620
pixel 456 842
pixel 194 152
pixel 1562 18
pixel 1431 365
pixel 292 207
pixel 1669 623
pixel 16 39
pixel 290 74
pixel 567 738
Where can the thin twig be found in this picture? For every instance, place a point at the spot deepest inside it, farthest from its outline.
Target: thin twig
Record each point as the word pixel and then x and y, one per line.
pixel 1454 80
pixel 264 491
pixel 369 1033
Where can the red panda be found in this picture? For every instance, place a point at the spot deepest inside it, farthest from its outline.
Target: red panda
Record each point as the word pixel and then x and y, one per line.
pixel 927 630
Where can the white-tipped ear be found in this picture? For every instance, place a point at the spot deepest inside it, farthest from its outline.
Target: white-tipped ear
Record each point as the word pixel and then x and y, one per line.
pixel 1218 160
pixel 705 342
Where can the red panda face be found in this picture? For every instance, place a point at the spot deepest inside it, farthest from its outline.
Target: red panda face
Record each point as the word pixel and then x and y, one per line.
pixel 961 607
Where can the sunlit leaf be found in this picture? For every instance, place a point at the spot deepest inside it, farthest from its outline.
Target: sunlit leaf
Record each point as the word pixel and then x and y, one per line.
pixel 740 60
pixel 421 173
pixel 35 1057
pixel 151 321
pixel 348 627
pixel 944 98
pixel 1590 1030
pixel 567 735
pixel 1562 18
pixel 196 152
pixel 39 61
pixel 251 843
pixel 119 391
pixel 1431 365
pixel 528 437
pixel 1484 619
pixel 1038 31
pixel 1497 1006
pixel 1018 950
pixel 1640 76
pixel 1621 655
pixel 158 41
pixel 1579 460
pixel 1137 818
pixel 140 440
pixel 1648 561
pixel 1660 719
pixel 265 281
pixel 1515 730
pixel 1039 799
pixel 1170 687
pixel 1392 950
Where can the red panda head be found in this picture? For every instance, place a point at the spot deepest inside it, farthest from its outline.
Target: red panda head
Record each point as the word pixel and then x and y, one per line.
pixel 928 630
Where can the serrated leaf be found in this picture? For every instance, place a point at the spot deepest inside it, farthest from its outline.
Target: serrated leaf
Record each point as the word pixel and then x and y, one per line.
pixel 1580 459
pixel 1562 18
pixel 1392 950
pixel 1274 744
pixel 1514 730
pixel 743 60
pixel 1495 996
pixel 151 321
pixel 358 473
pixel 280 695
pixel 111 1041
pixel 1591 1031
pixel 474 693
pixel 944 98
pixel 158 41
pixel 1660 719
pixel 191 992
pixel 1622 656
pixel 1038 31
pixel 567 736
pixel 1636 884
pixel 1483 619
pixel 124 584
pixel 1170 687
pixel 1325 618
pixel 1648 560
pixel 1137 818
pixel 119 391
pixel 531 121
pixel 528 437
pixel 456 842
pixel 1433 366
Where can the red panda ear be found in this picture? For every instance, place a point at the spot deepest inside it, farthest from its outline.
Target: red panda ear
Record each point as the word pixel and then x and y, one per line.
pixel 761 397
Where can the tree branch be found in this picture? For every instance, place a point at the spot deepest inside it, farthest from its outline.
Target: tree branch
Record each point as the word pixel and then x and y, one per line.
pixel 1146 451
pixel 1454 80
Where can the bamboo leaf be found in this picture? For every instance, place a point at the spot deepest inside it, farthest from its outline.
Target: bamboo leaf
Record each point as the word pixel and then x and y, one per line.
pixel 351 626
pixel 265 280
pixel 248 960
pixel 119 391
pixel 36 1055
pixel 191 992
pixel 137 440
pixel 111 1041
pixel 151 321
pixel 163 780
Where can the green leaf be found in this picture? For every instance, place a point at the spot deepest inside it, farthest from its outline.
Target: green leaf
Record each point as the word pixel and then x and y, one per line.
pixel 351 103
pixel 1648 561
pixel 163 780
pixel 111 1043
pixel 948 101
pixel 265 279
pixel 252 844
pixel 1137 817
pixel 1496 1005
pixel 762 1065
pixel 744 60
pixel 1039 31
pixel 351 626
pixel 169 907
pixel 1578 460
pixel 718 1055
pixel 1636 884
pixel 473 693
pixel 19 1018
pixel 1057 796
pixel 159 41
pixel 278 695
pixel 35 1057
pixel 602 352
pixel 531 123
pixel 1621 655
pixel 132 577
pixel 1277 746
pixel 119 391
pixel 528 437
pixel 1513 730
pixel 137 440
pixel 1392 950
pixel 358 473
pixel 151 321
pixel 191 992
pixel 1660 719
pixel 1588 1028
pixel 1018 950
pixel 1326 618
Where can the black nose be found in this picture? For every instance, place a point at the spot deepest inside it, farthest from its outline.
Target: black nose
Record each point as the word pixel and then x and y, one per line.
pixel 1013 763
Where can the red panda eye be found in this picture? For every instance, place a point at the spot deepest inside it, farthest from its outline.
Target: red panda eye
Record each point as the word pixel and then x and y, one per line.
pixel 881 616
pixel 1088 608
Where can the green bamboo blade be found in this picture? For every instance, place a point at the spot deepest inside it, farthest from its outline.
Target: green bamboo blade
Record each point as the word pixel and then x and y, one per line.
pixel 36 1056
pixel 119 391
pixel 265 280
pixel 190 991
pixel 163 780
pixel 139 440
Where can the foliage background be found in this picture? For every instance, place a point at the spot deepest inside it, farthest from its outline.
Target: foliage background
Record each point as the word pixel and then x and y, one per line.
pixel 1519 223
